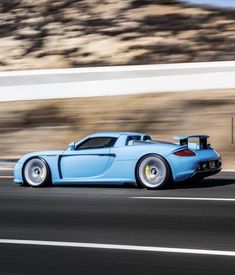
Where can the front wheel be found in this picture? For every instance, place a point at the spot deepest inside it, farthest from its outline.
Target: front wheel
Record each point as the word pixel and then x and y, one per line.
pixel 152 172
pixel 36 172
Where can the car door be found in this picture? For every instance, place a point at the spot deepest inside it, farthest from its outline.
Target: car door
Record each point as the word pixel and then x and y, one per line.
pixel 89 159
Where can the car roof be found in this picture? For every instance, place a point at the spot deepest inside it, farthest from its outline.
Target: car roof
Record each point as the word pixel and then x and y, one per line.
pixel 115 134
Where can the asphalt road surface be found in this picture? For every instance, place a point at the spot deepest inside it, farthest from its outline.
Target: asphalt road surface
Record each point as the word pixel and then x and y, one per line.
pixel 197 217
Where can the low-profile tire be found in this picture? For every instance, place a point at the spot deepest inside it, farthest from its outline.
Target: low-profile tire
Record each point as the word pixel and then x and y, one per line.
pixel 152 172
pixel 36 172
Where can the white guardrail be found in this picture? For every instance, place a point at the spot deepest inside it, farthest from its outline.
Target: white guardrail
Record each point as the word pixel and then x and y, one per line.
pixel 115 80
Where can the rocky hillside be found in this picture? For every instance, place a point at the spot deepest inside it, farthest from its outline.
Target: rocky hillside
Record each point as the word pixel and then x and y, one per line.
pixel 71 33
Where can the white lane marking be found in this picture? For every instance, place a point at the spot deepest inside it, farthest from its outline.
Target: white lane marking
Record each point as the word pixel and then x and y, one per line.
pixel 121 247
pixel 185 198
pixel 6 177
pixel 6 169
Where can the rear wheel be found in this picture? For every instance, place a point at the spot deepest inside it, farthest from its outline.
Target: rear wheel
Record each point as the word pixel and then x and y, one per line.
pixel 152 172
pixel 36 172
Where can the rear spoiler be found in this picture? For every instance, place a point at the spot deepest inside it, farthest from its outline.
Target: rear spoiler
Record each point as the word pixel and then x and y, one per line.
pixel 183 140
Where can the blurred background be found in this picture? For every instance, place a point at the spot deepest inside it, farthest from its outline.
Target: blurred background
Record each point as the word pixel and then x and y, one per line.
pixel 47 34
pixel 70 33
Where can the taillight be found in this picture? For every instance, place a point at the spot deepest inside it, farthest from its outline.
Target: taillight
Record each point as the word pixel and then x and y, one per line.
pixel 185 153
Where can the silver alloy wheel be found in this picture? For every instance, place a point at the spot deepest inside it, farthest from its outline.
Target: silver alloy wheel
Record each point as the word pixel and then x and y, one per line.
pixel 35 172
pixel 152 172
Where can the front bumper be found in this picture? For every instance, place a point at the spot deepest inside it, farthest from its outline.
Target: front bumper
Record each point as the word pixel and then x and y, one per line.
pixel 18 173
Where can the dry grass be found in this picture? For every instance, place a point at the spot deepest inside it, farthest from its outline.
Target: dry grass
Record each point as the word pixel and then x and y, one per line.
pixel 69 33
pixel 52 124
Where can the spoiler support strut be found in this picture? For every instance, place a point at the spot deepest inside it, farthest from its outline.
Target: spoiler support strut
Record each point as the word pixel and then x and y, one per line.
pixel 183 140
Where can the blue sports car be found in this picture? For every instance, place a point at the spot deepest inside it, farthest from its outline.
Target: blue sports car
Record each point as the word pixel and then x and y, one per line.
pixel 119 158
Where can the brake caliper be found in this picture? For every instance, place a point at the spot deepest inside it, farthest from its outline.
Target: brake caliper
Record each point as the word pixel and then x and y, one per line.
pixel 147 172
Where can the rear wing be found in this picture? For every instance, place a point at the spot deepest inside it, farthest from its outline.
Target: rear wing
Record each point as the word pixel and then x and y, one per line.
pixel 183 141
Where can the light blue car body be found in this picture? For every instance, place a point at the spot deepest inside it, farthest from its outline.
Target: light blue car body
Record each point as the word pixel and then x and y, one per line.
pixel 116 164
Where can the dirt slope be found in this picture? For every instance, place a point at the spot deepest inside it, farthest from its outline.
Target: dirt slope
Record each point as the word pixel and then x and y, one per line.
pixel 70 33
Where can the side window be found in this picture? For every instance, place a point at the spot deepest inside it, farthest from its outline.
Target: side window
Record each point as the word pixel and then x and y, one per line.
pixel 96 143
pixel 131 139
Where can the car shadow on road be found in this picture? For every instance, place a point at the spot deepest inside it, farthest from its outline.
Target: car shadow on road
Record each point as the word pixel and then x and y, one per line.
pixel 205 183
pixel 98 185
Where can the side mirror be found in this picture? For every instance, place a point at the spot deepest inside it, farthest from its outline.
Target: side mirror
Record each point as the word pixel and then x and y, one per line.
pixel 71 146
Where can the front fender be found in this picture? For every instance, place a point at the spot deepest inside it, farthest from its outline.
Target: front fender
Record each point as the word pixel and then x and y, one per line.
pixel 51 157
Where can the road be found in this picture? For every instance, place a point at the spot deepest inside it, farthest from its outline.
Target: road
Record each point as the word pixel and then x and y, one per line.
pixel 118 216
